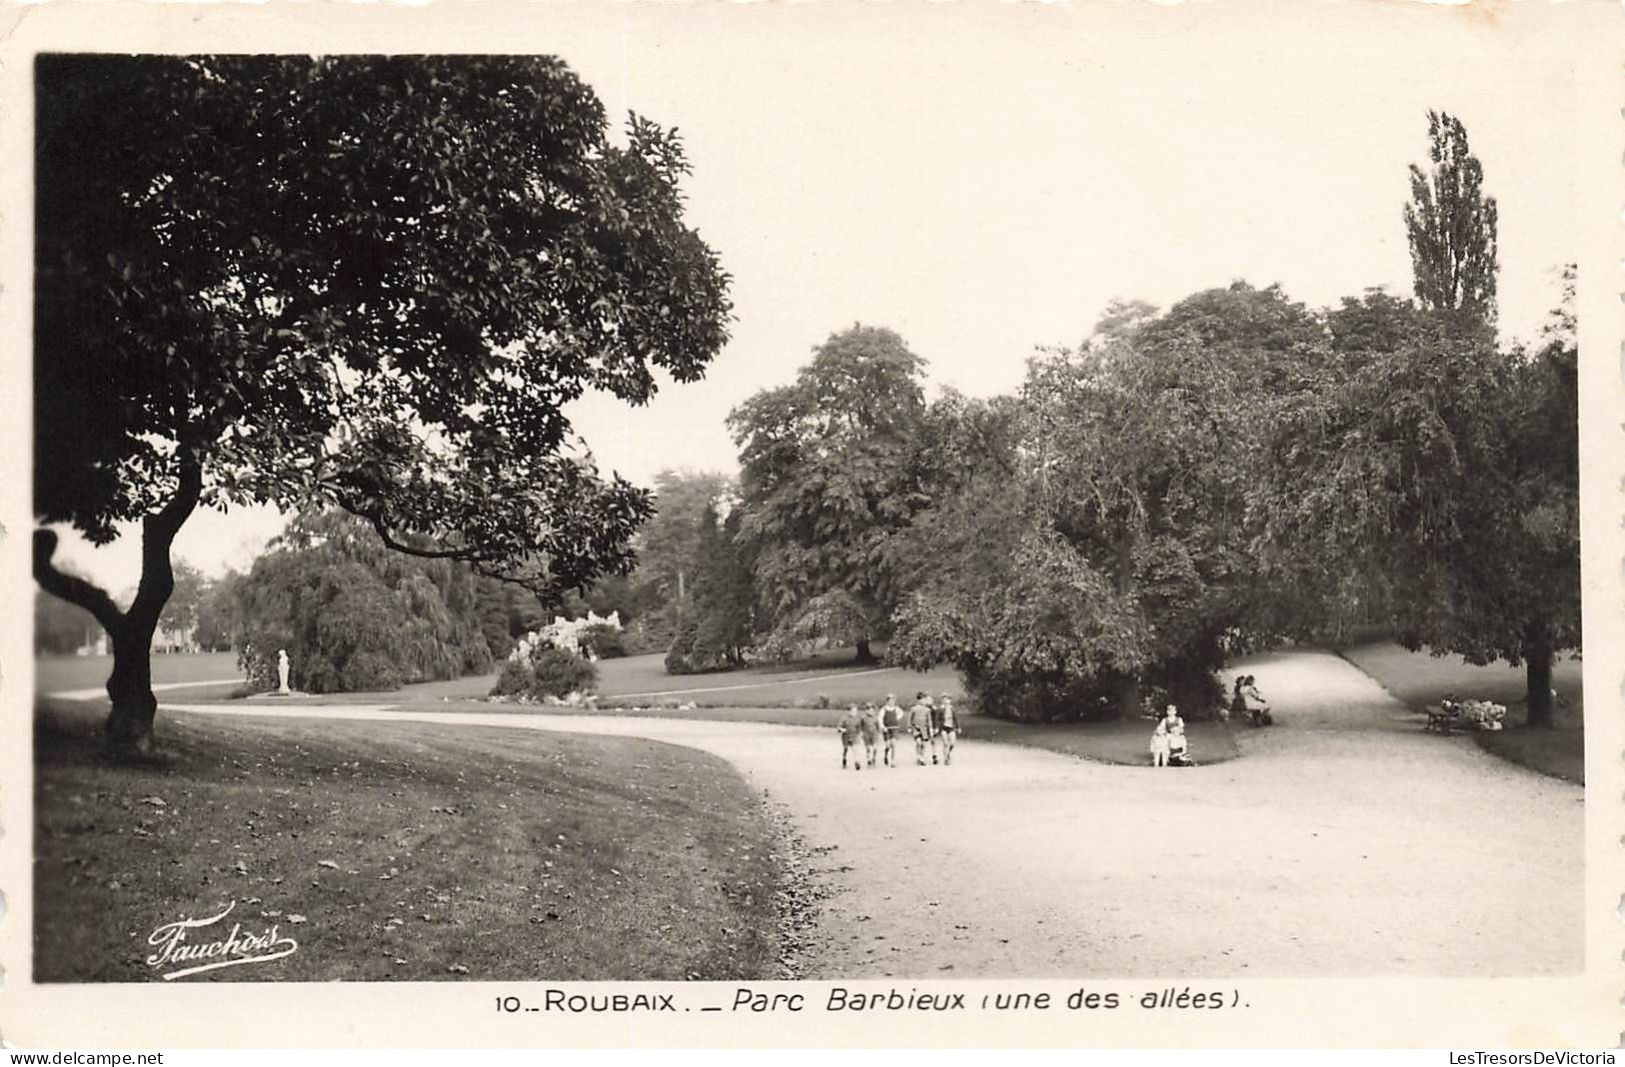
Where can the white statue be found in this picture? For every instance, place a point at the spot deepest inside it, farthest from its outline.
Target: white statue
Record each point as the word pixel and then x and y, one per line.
pixel 282 672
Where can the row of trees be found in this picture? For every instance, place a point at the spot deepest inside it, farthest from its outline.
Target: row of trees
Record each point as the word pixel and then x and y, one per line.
pixel 1182 486
pixel 1238 470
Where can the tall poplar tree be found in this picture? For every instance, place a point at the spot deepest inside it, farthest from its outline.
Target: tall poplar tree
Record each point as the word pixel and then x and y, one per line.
pixel 1451 225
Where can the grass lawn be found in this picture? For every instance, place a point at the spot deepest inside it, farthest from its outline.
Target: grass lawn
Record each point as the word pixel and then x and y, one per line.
pixel 411 852
pixel 643 681
pixel 1419 679
pixel 830 674
pixel 53 673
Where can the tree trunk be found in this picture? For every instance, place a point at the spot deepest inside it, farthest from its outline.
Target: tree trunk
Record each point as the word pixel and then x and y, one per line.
pixel 1128 696
pixel 864 655
pixel 1538 680
pixel 129 724
pixel 1128 686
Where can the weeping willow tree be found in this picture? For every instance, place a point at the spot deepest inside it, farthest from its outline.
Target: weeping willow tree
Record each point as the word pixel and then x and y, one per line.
pixel 354 615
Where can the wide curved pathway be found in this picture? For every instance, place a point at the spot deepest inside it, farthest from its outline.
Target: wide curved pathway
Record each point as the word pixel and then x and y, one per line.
pixel 1346 842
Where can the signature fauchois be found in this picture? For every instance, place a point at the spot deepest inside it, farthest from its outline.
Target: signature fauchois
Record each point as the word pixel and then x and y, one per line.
pixel 176 945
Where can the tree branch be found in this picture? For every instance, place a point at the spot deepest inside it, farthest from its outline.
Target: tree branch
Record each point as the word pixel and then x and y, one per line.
pixel 72 588
pixel 464 555
pixel 157 534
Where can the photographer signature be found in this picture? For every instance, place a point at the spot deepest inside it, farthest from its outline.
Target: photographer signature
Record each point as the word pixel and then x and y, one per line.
pixel 175 945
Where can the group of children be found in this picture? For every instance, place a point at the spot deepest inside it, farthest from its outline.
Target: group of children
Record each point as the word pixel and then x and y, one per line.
pixel 929 723
pixel 1168 745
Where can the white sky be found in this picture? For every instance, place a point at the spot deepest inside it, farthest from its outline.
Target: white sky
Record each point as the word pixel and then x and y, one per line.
pixel 984 180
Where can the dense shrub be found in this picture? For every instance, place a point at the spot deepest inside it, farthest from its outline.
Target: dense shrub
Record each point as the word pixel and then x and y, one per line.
pixel 558 672
pixel 550 672
pixel 514 679
pixel 1038 697
pixel 699 648
pixel 677 655
pixel 1053 696
pixel 603 641
pixel 776 647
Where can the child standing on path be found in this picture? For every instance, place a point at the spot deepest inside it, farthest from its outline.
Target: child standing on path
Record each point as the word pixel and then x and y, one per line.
pixel 947 730
pixel 891 722
pixel 848 727
pixel 1168 742
pixel 919 724
pixel 869 727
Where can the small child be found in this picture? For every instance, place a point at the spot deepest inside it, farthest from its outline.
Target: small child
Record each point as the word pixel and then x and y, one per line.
pixel 869 728
pixel 947 730
pixel 1168 741
pixel 919 724
pixel 891 721
pixel 848 726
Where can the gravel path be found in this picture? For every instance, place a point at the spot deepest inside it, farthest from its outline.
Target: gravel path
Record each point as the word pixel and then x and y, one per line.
pixel 1346 842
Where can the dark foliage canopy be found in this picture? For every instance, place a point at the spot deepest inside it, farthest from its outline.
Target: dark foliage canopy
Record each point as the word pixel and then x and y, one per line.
pixel 828 481
pixel 369 282
pixel 1101 542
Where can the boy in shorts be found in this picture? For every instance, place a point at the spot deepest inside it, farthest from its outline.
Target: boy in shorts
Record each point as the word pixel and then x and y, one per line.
pixel 919 724
pixel 891 722
pixel 848 727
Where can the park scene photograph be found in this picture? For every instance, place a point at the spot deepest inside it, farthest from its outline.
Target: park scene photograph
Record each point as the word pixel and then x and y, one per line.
pixel 804 507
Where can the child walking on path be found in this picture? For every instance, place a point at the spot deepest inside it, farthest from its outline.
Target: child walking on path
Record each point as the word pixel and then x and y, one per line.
pixel 947 730
pixel 919 724
pixel 891 723
pixel 849 729
pixel 869 728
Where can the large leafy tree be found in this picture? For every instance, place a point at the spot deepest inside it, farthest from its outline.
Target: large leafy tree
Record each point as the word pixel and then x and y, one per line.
pixel 1444 476
pixel 1452 226
pixel 828 482
pixel 669 543
pixel 356 281
pixel 368 282
pixel 720 625
pixel 1110 548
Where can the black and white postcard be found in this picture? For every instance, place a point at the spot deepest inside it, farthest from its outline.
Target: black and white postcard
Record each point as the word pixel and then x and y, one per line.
pixel 812 524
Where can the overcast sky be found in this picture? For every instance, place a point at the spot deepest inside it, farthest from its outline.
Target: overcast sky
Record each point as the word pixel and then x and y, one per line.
pixel 987 184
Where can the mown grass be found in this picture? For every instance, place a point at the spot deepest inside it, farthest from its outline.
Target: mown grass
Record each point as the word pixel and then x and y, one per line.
pixel 54 673
pixel 411 851
pixel 1419 679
